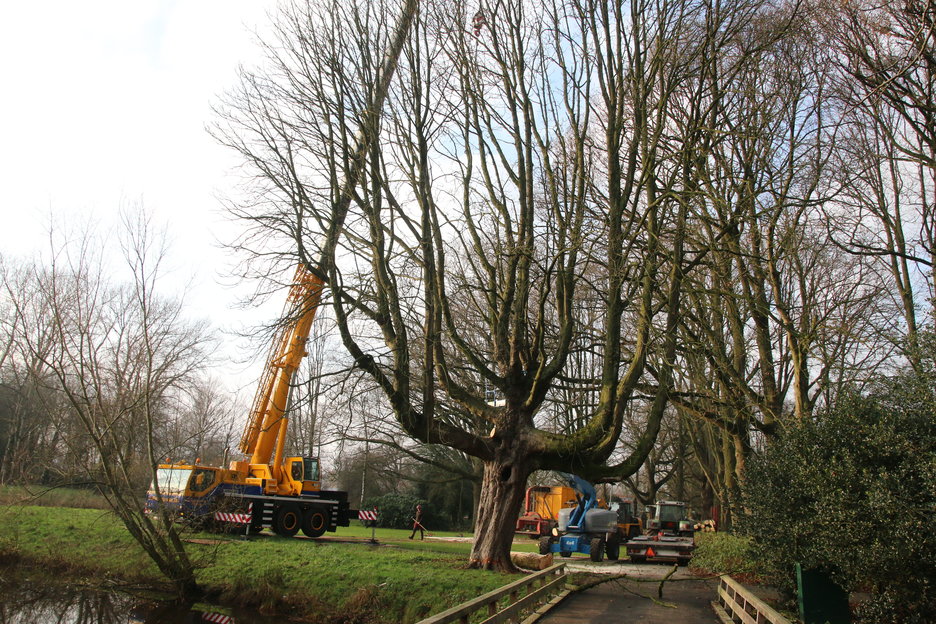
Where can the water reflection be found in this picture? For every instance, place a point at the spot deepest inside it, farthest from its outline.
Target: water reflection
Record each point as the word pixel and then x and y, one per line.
pixel 28 604
pixel 32 601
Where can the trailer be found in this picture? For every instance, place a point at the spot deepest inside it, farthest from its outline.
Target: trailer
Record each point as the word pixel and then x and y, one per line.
pixel 659 547
pixel 669 535
pixel 541 509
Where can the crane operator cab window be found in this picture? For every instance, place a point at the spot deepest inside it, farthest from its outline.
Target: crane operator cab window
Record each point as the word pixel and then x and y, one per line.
pixel 310 469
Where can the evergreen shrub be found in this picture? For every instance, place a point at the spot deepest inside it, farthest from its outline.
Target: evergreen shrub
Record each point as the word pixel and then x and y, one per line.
pixel 397 511
pixel 852 491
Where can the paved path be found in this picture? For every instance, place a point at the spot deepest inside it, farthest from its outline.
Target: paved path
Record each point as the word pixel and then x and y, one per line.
pixel 631 599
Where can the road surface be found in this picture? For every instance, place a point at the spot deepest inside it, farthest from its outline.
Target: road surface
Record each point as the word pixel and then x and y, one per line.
pixel 686 600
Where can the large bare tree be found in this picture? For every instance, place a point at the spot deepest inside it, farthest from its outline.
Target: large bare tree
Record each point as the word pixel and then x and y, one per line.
pixel 517 199
pixel 887 58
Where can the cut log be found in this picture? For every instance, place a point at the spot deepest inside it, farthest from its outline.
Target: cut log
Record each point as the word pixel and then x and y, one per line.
pixel 531 561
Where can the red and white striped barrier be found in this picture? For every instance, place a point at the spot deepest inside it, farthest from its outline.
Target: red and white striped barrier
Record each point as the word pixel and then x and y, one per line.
pixel 242 518
pixel 367 515
pixel 218 618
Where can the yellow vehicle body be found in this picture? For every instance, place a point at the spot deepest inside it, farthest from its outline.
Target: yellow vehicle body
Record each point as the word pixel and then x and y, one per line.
pixel 547 504
pixel 197 481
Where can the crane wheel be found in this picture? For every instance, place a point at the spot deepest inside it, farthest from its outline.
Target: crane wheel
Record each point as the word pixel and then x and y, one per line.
pixel 287 519
pixel 597 548
pixel 314 522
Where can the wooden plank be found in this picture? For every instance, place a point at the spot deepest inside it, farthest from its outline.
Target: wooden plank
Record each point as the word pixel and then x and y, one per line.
pixel 738 599
pixel 544 609
pixel 762 607
pixel 736 610
pixel 534 597
pixel 721 614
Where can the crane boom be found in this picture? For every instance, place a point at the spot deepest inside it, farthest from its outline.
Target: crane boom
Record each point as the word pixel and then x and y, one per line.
pixel 264 435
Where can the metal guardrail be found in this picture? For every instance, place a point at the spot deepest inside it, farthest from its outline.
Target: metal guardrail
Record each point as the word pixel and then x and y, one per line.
pixel 539 586
pixel 737 604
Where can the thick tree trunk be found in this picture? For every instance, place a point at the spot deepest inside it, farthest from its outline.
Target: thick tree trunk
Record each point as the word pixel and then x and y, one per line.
pixel 475 504
pixel 502 488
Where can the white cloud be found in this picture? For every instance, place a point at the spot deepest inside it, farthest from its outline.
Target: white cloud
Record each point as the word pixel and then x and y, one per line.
pixel 106 102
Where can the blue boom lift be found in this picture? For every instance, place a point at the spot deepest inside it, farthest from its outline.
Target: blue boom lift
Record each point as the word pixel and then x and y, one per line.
pixel 583 528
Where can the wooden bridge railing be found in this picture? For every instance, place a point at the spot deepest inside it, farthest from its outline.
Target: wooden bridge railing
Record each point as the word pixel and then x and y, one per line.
pixel 539 587
pixel 737 604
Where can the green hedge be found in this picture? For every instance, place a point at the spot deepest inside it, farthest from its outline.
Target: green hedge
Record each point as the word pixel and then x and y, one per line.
pixel 853 492
pixel 724 553
pixel 396 511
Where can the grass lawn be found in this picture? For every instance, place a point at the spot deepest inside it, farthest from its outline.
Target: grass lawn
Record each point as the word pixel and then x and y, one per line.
pixel 396 580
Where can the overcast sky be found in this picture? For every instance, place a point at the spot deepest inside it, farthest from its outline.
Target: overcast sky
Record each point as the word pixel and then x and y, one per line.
pixel 106 102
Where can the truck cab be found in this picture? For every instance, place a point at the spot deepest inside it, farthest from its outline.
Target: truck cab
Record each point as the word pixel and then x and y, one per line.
pixel 187 490
pixel 669 517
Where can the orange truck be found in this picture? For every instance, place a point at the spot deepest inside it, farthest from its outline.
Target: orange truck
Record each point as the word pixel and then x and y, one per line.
pixel 541 509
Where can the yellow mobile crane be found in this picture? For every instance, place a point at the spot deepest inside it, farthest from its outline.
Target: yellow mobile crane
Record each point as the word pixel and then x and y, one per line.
pixel 266 490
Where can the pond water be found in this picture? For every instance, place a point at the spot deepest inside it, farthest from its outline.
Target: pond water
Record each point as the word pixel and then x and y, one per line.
pixel 34 600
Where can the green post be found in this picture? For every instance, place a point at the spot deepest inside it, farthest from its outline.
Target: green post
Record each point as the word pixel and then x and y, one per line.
pixel 821 600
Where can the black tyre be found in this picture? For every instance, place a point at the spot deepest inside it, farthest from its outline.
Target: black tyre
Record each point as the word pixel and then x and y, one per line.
pixel 565 553
pixel 286 519
pixel 613 547
pixel 314 522
pixel 597 548
pixel 636 559
pixel 545 545
pixel 683 561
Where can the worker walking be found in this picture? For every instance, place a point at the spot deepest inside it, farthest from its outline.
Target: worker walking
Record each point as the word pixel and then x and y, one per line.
pixel 417 523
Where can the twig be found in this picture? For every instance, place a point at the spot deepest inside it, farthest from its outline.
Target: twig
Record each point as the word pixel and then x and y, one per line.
pixel 666 578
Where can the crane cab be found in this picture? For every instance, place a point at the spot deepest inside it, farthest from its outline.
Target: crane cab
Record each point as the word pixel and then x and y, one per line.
pixel 303 474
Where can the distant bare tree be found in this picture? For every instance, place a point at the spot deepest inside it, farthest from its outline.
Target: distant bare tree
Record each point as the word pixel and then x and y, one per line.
pixel 887 214
pixel 117 356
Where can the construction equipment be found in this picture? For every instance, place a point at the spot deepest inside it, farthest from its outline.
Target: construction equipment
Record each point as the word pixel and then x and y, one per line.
pixel 669 535
pixel 541 509
pixel 628 526
pixel 267 490
pixel 583 528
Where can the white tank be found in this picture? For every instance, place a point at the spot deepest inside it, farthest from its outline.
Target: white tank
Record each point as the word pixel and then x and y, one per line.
pixel 564 514
pixel 596 520
pixel 600 521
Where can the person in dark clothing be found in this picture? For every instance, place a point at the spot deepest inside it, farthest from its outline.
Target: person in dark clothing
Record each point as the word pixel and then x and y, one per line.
pixel 417 523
